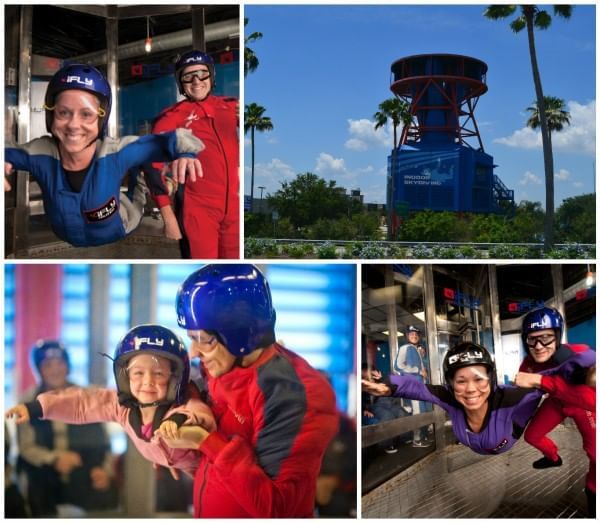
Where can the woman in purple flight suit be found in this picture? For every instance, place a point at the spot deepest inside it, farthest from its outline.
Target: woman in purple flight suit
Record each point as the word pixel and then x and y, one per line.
pixel 486 417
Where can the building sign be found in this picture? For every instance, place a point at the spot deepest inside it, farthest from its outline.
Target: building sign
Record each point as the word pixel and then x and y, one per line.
pixel 517 307
pixel 460 299
pixel 420 169
pixel 152 70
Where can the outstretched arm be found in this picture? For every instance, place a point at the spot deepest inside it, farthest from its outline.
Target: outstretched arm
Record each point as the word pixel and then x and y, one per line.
pixel 20 413
pixel 179 146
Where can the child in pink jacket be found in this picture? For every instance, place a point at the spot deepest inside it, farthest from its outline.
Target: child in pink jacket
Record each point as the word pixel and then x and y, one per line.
pixel 154 397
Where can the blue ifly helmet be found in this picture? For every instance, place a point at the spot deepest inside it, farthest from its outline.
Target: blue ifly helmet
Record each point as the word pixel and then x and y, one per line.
pixel 46 349
pixel 84 78
pixel 157 341
pixel 232 301
pixel 542 319
pixel 194 58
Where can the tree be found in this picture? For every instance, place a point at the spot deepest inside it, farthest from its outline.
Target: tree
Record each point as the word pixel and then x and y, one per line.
pixel 398 112
pixel 433 226
pixel 528 222
pixel 576 219
pixel 556 114
pixel 307 198
pixel 532 17
pixel 395 110
pixel 254 119
pixel 250 59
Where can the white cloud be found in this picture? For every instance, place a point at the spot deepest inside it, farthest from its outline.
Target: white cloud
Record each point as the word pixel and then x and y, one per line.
pixel 530 178
pixel 563 175
pixel 269 175
pixel 579 137
pixel 328 164
pixel 363 135
pixel 525 138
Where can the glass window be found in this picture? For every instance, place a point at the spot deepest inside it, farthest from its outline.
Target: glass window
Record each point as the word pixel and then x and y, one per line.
pixel 316 307
pixel 10 397
pixel 170 277
pixel 119 312
pixel 74 332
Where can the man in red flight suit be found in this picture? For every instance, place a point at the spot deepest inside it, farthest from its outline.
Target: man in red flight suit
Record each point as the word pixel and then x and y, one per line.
pixel 275 414
pixel 209 208
pixel 570 394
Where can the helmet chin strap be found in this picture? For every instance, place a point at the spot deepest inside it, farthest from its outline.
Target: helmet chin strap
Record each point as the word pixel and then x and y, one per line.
pixel 158 403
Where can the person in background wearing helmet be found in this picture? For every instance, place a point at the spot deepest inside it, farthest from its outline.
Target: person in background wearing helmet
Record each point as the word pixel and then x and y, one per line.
pixel 63 464
pixel 80 170
pixel 409 362
pixel 486 417
pixel 153 396
pixel 275 414
pixel 207 210
pixel 558 368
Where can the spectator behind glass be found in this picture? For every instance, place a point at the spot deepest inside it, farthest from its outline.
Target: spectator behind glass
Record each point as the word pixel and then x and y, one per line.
pixel 64 464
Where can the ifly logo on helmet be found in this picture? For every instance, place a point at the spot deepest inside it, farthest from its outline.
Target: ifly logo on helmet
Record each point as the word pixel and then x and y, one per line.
pixel 72 79
pixel 192 59
pixel 158 342
pixel 464 357
pixel 538 324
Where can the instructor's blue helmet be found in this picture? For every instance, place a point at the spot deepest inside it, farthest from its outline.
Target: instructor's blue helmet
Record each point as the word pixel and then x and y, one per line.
pixel 45 349
pixel 541 319
pixel 84 78
pixel 157 341
pixel 232 301
pixel 194 58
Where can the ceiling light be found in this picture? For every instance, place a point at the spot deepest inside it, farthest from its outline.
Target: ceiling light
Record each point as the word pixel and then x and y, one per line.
pixel 148 44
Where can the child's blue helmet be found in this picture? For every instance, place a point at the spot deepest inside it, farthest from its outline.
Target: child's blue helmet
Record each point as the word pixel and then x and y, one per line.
pixel 542 319
pixel 232 301
pixel 158 341
pixel 84 78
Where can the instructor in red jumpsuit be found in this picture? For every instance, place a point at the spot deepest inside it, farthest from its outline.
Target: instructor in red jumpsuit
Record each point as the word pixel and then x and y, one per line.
pixel 208 209
pixel 275 414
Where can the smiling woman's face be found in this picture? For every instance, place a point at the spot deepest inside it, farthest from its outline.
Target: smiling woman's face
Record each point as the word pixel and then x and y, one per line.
pixel 472 387
pixel 75 120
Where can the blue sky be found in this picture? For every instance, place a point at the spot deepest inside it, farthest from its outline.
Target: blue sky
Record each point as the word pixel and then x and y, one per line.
pixel 324 70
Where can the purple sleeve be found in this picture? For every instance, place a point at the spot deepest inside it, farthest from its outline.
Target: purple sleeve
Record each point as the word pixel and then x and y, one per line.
pixel 571 369
pixel 412 388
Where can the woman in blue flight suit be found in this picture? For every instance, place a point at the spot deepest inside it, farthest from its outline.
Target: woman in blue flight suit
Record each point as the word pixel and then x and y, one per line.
pixel 80 170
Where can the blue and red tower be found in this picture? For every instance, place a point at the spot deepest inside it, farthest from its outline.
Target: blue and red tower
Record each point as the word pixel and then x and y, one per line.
pixel 434 166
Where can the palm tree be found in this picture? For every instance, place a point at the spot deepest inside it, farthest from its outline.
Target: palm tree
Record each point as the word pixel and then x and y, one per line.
pixel 250 58
pixel 556 115
pixel 395 110
pixel 531 16
pixel 398 112
pixel 254 119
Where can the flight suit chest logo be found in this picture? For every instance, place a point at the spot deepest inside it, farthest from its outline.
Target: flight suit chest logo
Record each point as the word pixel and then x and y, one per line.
pixel 499 447
pixel 103 212
pixel 190 119
pixel 241 419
